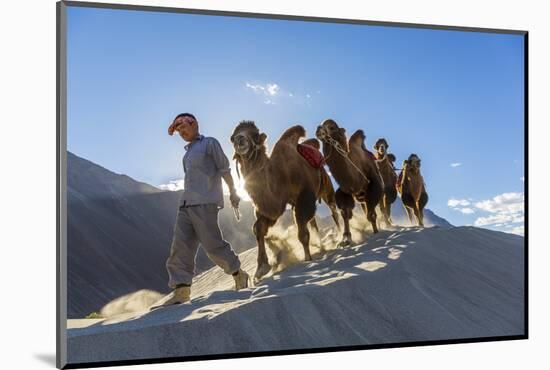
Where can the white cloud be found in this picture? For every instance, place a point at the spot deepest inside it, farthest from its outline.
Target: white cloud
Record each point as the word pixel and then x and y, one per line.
pixel 460 205
pixel 269 89
pixel 453 203
pixel 255 88
pixel 308 96
pixel 505 209
pixel 519 230
pixel 493 220
pixel 173 185
pixel 522 178
pixel 466 210
pixel 272 89
pixel 504 203
pixel 456 164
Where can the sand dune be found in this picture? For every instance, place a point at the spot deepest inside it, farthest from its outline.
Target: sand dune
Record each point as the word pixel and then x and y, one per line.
pixel 405 285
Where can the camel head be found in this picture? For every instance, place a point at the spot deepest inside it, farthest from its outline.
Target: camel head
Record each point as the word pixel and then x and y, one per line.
pixel 247 139
pixel 413 163
pixel 330 129
pixel 381 147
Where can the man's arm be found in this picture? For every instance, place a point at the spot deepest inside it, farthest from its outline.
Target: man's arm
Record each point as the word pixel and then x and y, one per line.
pixel 226 176
pixel 222 165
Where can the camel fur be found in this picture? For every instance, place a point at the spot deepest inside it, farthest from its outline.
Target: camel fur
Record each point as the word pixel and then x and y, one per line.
pixel 275 180
pixel 385 161
pixel 355 172
pixel 412 189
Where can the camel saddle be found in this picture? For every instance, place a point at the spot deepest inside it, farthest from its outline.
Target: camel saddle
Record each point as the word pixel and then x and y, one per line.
pixel 311 154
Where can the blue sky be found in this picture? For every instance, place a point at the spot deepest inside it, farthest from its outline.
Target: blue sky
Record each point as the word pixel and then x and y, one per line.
pixel 454 98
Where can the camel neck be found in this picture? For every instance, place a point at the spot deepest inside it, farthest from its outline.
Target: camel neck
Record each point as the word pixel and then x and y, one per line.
pixel 331 154
pixel 254 164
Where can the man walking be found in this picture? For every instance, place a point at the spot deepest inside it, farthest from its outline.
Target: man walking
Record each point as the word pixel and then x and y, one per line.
pixel 205 164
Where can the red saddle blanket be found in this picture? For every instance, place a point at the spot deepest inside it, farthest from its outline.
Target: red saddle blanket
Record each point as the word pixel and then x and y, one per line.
pixel 312 155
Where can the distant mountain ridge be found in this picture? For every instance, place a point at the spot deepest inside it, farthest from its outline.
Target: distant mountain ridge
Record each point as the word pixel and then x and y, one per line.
pixel 119 233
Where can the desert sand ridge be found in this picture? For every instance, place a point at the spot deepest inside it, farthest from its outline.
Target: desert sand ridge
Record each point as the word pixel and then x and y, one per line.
pixel 407 285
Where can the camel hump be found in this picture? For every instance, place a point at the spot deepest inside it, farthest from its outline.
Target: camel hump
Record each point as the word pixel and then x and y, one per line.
pixel 357 139
pixel 293 134
pixel 312 142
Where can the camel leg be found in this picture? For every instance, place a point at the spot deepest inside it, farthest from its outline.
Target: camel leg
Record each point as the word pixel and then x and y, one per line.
pixel 261 227
pixel 314 225
pixel 384 210
pixel 382 206
pixel 387 210
pixel 371 216
pixel 390 198
pixel 346 239
pixel 303 236
pixel 417 214
pixel 334 213
pixel 409 204
pixel 365 210
pixel 374 198
pixel 410 214
pixel 346 203
pixel 421 214
pixel 329 199
pixel 304 212
pixel 421 204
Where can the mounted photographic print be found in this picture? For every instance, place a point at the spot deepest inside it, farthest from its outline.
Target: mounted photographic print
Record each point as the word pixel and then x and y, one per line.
pixel 234 184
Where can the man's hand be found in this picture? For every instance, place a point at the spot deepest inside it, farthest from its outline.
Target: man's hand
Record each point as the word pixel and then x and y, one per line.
pixel 172 128
pixel 234 198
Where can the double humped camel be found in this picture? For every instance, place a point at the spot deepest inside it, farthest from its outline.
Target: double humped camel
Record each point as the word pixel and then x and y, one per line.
pixel 412 189
pixel 282 178
pixel 355 171
pixel 385 162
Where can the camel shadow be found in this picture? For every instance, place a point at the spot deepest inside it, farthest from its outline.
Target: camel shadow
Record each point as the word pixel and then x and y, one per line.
pixel 374 256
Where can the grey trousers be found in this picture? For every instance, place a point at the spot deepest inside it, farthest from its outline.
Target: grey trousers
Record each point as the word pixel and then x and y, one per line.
pixel 194 225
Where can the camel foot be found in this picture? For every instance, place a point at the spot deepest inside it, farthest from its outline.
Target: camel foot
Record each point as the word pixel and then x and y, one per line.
pixel 262 269
pixel 344 243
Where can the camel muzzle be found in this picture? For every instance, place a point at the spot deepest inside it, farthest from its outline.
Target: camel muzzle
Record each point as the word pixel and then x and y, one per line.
pixel 241 144
pixel 321 133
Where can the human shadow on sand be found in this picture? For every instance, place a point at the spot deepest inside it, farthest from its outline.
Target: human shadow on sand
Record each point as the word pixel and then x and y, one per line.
pixel 377 254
